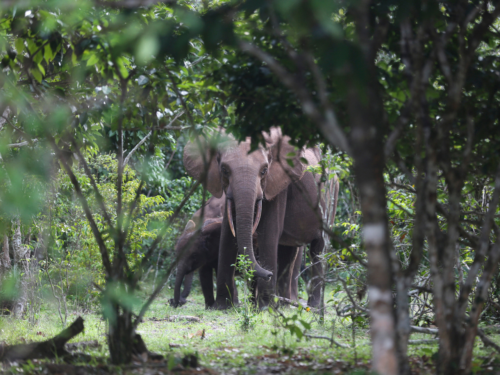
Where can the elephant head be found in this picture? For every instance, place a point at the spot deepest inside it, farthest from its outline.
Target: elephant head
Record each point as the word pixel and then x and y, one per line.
pixel 247 178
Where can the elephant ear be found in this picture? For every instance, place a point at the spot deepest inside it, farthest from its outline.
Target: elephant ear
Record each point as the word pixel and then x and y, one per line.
pixel 312 155
pixel 190 227
pixel 212 224
pixel 198 152
pixel 286 165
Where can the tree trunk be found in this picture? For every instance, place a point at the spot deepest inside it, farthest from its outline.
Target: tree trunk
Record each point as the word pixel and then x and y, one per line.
pixel 21 264
pixel 368 169
pixel 120 336
pixel 5 264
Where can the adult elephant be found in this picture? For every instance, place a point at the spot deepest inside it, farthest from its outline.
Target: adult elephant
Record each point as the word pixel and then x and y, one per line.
pixel 200 251
pixel 268 192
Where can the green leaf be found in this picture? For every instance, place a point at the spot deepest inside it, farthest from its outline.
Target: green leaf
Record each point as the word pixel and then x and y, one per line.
pixel 19 44
pixel 37 75
pixel 48 55
pixel 92 60
pixel 147 47
pixel 42 69
pixel 122 68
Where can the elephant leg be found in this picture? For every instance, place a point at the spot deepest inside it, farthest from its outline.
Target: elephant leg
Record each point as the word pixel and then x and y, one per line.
pixel 207 284
pixel 294 283
pixel 317 276
pixel 286 260
pixel 268 233
pixel 225 270
pixel 188 281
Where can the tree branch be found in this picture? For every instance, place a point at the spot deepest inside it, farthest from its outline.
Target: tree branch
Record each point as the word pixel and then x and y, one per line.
pixel 97 193
pixel 129 4
pixel 328 126
pixel 97 234
pixel 22 144
pixel 127 158
pixel 147 136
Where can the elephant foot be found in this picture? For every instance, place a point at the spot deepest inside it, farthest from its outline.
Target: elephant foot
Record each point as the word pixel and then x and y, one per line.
pixel 175 304
pixel 222 305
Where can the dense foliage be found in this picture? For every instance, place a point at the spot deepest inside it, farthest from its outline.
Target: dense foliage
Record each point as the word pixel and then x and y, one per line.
pixel 98 98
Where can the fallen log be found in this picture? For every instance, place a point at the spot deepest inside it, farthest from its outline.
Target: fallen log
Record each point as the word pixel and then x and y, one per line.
pixel 423 342
pixel 290 302
pixel 51 348
pixel 429 331
pixel 332 341
pixel 141 352
pixel 434 331
pixel 175 318
pixel 286 301
pixel 486 340
pixel 83 345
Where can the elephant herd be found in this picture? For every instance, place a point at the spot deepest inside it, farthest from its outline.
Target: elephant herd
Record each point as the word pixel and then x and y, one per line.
pixel 264 204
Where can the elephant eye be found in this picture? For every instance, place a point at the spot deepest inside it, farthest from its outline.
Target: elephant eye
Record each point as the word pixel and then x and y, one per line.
pixel 263 172
pixel 225 171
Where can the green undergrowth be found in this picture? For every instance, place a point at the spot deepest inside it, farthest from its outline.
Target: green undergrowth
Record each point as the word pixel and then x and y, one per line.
pixel 222 345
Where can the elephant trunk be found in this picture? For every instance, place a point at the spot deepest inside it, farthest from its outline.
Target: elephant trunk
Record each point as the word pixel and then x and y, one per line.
pixel 248 212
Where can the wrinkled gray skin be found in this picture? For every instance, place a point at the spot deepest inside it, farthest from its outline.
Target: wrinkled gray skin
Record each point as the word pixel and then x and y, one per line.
pixel 199 251
pixel 290 214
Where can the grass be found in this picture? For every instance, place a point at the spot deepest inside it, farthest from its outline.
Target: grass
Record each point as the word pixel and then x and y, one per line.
pixel 226 347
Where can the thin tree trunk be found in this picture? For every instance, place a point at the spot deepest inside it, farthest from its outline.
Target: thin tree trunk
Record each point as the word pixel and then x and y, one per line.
pixel 5 264
pixel 21 261
pixel 120 337
pixel 368 168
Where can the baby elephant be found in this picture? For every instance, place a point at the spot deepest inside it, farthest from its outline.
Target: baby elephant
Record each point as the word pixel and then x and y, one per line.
pixel 200 251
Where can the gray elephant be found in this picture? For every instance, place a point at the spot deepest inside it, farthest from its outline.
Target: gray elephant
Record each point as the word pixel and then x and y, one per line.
pixel 269 193
pixel 200 251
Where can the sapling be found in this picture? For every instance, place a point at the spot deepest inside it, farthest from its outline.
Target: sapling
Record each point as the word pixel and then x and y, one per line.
pixel 246 310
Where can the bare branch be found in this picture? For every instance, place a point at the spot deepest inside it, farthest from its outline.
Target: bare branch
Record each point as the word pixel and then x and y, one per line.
pixel 327 125
pixel 351 298
pixel 286 300
pixel 160 236
pixel 97 193
pixel 97 234
pixel 332 341
pixel 429 331
pixel 486 340
pixel 4 117
pixel 484 245
pixel 136 147
pixel 22 144
pixel 423 342
pixel 147 136
pixel 132 4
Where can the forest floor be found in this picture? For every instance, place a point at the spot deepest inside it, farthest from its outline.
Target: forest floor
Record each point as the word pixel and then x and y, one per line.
pixel 221 345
